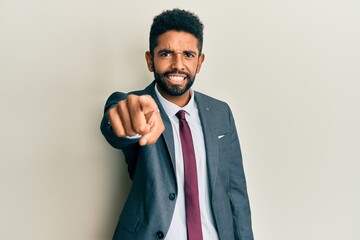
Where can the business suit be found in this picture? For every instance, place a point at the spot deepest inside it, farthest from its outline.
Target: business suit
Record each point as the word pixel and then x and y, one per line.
pixel 148 210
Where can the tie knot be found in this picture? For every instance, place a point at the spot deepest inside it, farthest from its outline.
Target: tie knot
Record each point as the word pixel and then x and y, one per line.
pixel 181 115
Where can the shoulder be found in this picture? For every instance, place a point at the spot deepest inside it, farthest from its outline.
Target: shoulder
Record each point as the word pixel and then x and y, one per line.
pixel 204 100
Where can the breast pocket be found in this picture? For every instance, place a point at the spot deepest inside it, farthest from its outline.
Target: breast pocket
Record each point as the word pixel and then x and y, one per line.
pixel 224 143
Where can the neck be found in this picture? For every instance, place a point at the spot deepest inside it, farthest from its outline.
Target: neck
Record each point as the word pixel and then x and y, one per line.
pixel 181 100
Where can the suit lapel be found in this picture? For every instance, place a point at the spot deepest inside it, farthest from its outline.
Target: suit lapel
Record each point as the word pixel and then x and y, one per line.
pixel 211 141
pixel 167 134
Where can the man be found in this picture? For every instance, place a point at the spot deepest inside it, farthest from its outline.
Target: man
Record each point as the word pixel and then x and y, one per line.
pixel 181 146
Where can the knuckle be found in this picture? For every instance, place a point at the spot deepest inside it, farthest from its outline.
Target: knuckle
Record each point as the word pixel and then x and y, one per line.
pixel 112 113
pixel 121 106
pixel 145 97
pixel 131 99
pixel 146 100
pixel 141 129
pixel 119 132
pixel 129 131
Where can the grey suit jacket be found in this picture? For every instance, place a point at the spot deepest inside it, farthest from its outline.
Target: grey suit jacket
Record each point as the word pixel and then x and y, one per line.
pixel 148 210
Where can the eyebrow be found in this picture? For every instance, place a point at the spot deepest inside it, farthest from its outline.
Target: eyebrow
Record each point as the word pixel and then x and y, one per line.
pixel 165 51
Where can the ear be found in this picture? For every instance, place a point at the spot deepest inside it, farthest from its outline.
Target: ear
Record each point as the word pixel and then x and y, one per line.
pixel 149 61
pixel 201 60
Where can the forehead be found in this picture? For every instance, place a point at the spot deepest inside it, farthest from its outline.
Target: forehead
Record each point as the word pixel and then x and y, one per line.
pixel 177 41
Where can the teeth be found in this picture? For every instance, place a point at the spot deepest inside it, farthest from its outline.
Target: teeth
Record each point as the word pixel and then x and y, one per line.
pixel 176 78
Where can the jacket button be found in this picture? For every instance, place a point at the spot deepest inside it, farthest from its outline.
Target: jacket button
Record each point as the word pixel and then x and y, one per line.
pixel 172 196
pixel 160 235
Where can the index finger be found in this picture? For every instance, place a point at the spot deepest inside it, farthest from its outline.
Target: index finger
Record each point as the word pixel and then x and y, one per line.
pixel 147 104
pixel 138 118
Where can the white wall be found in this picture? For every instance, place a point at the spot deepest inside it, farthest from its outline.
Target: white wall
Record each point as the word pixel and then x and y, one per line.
pixel 288 69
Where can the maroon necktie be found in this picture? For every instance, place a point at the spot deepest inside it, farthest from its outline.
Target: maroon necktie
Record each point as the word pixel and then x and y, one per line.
pixel 193 220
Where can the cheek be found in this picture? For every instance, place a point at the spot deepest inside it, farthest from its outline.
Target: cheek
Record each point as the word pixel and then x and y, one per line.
pixel 161 66
pixel 193 68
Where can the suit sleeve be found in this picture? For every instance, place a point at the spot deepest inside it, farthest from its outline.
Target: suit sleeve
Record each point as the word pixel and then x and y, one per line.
pixel 238 191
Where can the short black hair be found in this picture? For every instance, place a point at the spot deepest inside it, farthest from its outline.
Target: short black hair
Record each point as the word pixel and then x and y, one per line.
pixel 178 20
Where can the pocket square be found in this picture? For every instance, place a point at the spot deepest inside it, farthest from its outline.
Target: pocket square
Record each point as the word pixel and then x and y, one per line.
pixel 221 136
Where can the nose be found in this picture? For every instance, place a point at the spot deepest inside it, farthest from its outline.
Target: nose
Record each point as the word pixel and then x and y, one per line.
pixel 177 62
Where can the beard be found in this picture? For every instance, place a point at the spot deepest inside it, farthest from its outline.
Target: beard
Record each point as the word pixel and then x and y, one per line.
pixel 173 90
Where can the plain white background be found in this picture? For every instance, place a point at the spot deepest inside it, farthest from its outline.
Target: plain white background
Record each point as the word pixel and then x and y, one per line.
pixel 288 69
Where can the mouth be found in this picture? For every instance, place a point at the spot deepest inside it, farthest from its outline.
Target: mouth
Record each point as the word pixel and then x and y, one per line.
pixel 176 78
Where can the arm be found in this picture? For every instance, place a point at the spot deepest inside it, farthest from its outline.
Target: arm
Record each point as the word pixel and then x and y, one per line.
pixel 238 191
pixel 127 115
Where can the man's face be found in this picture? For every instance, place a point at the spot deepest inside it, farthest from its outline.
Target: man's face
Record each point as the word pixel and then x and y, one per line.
pixel 175 62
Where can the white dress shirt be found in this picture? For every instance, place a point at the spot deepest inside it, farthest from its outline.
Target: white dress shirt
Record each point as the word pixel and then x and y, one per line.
pixel 177 229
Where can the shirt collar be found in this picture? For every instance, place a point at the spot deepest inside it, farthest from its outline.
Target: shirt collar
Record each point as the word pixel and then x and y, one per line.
pixel 171 109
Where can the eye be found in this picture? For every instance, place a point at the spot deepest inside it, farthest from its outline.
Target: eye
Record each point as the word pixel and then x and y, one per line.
pixel 189 54
pixel 165 54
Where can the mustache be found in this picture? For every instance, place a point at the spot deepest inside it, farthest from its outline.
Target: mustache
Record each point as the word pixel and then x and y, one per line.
pixel 165 74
